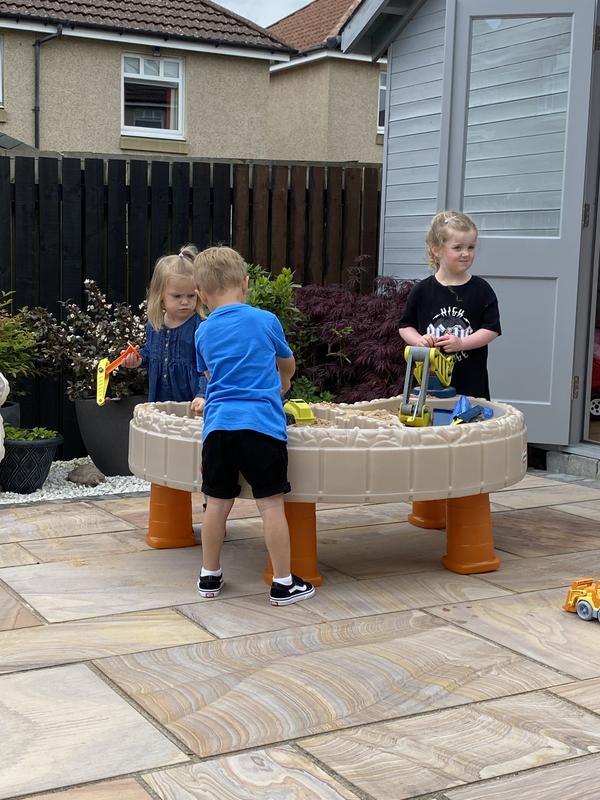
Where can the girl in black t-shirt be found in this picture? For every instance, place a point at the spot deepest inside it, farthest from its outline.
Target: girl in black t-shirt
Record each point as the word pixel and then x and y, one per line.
pixel 452 309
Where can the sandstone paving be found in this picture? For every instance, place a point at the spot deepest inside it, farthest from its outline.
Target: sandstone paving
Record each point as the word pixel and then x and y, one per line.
pixel 64 725
pixel 398 679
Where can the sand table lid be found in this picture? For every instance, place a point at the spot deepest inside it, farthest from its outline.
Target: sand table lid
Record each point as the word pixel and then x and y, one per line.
pixel 355 453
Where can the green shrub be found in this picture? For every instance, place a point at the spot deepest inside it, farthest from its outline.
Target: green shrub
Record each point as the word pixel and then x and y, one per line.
pixel 30 434
pixel 17 346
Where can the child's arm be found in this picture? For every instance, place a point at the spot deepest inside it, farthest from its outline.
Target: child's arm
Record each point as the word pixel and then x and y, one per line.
pixel 133 360
pixel 413 337
pixel 286 368
pixel 454 344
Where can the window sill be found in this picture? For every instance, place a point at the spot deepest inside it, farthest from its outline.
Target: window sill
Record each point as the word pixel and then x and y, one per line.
pixel 379 138
pixel 3 115
pixel 153 145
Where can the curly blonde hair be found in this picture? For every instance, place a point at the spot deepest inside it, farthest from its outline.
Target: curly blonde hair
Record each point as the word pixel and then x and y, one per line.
pixel 439 232
pixel 165 268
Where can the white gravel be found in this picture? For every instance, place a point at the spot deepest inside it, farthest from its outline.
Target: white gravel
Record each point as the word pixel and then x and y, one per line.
pixel 57 487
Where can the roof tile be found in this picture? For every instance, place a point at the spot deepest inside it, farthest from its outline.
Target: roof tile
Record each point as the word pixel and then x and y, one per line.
pixel 311 26
pixel 199 20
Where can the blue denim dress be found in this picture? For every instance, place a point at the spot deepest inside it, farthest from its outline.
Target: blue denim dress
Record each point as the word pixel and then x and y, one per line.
pixel 169 355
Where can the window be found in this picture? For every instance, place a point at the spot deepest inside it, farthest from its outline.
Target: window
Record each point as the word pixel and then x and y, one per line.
pixel 2 71
pixel 152 96
pixel 381 105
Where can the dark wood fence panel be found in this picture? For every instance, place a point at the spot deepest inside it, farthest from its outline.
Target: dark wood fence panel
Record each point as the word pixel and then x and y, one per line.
pixel 6 281
pixel 116 267
pixel 316 226
pixel 241 209
pixel 65 220
pixel 180 182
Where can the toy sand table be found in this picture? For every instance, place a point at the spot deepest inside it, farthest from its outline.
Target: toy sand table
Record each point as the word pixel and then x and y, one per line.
pixel 358 453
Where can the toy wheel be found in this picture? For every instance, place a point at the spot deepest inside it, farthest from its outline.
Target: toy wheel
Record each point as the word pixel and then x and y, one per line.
pixel 595 405
pixel 584 610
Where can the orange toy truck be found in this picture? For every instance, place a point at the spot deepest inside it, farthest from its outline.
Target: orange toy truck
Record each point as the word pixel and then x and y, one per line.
pixel 583 598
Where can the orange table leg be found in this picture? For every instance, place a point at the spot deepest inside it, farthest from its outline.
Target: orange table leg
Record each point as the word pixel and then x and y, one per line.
pixel 302 521
pixel 170 522
pixel 470 541
pixel 428 514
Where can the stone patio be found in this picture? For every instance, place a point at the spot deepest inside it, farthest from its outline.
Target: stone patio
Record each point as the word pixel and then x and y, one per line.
pixel 398 680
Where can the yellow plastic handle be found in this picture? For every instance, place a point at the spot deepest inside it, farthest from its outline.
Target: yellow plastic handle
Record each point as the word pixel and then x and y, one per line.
pixel 101 381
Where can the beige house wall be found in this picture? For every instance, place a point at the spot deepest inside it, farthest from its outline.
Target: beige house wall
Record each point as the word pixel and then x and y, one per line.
pixel 326 111
pixel 298 111
pixel 353 104
pixel 80 98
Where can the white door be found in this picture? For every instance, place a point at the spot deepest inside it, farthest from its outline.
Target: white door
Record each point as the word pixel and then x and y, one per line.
pixel 518 94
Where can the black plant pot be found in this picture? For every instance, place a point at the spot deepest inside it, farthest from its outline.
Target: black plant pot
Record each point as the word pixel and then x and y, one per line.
pixel 26 463
pixel 105 432
pixel 11 413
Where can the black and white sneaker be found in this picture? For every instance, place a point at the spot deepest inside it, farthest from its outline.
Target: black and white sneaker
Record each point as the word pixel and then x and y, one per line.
pixel 282 595
pixel 210 585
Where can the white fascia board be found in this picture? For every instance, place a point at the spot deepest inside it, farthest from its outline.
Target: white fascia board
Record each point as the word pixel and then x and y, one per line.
pixel 148 41
pixel 301 61
pixel 358 24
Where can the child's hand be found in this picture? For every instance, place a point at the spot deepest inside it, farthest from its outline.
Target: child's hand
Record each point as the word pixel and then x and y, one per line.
pixel 197 406
pixel 427 340
pixel 133 360
pixel 449 343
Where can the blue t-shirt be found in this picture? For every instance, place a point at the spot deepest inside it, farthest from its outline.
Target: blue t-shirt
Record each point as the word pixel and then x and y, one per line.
pixel 238 345
pixel 169 355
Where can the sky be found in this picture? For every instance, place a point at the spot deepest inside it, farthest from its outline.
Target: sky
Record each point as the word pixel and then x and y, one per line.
pixel 263 12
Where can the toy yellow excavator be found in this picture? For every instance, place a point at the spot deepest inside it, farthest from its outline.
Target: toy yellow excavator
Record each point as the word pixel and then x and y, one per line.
pixel 583 598
pixel 300 411
pixel 103 370
pixel 421 364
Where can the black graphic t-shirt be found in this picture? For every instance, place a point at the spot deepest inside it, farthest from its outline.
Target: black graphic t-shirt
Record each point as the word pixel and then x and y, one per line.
pixel 460 311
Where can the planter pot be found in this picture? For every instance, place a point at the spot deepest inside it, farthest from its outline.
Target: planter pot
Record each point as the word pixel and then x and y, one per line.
pixel 26 464
pixel 105 432
pixel 11 413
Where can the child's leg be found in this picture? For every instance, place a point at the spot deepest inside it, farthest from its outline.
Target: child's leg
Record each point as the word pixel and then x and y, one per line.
pixel 213 531
pixel 276 532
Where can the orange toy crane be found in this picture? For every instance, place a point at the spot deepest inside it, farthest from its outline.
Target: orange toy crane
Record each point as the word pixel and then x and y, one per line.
pixel 104 369
pixel 583 598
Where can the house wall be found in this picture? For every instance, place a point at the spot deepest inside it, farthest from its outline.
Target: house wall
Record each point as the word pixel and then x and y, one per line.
pixel 326 111
pixel 416 61
pixel 225 98
pixel 353 102
pixel 298 112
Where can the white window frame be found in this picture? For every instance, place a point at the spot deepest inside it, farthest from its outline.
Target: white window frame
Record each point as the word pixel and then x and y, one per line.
pixel 157 80
pixel 382 86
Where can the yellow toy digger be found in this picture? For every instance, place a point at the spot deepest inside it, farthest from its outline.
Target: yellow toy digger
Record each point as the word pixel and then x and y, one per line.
pixel 583 598
pixel 421 362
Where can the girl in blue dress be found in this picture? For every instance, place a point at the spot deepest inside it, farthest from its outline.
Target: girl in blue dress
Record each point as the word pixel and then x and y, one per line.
pixel 169 353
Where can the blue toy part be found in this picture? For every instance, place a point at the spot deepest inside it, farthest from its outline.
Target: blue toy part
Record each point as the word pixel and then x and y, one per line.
pixel 442 416
pixel 462 404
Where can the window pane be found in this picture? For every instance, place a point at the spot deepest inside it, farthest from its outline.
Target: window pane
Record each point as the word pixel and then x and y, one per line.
pixel 518 98
pixel 132 65
pixel 381 106
pixel 149 106
pixel 170 69
pixel 151 66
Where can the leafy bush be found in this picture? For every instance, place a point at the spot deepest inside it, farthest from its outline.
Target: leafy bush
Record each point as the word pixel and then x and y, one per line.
pixel 356 352
pixel 83 337
pixel 29 434
pixel 17 346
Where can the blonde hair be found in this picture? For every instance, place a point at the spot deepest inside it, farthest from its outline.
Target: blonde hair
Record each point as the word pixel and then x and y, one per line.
pixel 439 232
pixel 180 265
pixel 219 268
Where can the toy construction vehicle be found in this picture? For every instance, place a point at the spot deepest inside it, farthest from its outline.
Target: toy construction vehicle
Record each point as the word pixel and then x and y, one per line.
pixel 421 364
pixel 298 412
pixel 583 598
pixel 104 369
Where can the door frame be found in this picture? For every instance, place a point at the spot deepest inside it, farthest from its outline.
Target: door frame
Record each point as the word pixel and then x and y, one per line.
pixel 589 269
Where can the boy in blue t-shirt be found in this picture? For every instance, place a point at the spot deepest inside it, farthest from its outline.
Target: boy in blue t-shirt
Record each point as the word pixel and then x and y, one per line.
pixel 249 366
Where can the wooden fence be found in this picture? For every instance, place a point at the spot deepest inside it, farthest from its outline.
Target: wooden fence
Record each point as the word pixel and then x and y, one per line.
pixel 66 219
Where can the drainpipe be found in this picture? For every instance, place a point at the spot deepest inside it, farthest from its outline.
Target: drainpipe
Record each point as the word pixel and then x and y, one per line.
pixel 36 108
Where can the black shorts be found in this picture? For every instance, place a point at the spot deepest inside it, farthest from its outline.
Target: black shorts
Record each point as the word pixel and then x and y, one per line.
pixel 261 459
